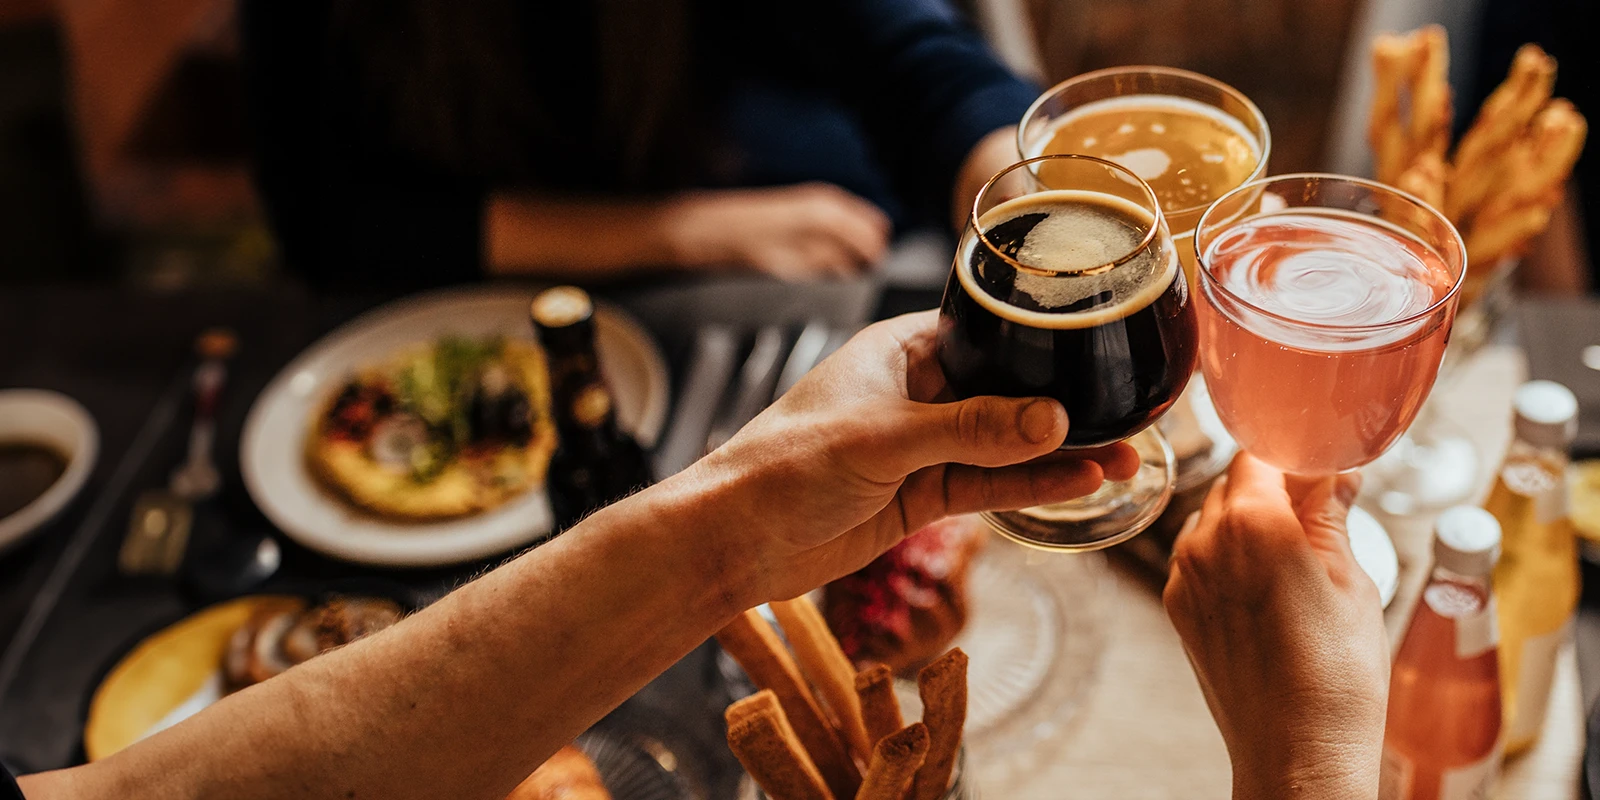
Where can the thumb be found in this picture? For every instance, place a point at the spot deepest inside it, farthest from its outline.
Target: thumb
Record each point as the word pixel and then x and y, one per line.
pixel 1324 511
pixel 983 431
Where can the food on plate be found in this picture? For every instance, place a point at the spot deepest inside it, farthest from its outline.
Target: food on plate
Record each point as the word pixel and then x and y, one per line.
pixel 1505 178
pixel 287 631
pixel 568 775
pixel 793 752
pixel 910 603
pixel 438 430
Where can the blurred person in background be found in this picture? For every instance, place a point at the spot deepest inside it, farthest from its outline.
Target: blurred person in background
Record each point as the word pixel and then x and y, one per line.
pixel 430 141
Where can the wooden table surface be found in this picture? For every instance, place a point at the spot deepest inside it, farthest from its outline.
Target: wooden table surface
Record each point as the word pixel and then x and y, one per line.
pixel 1144 730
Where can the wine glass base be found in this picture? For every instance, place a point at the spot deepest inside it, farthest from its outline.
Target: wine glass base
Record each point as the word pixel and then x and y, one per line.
pixel 1423 473
pixel 1116 512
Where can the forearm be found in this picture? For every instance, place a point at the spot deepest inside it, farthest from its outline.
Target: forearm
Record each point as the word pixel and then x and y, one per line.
pixel 570 238
pixel 464 699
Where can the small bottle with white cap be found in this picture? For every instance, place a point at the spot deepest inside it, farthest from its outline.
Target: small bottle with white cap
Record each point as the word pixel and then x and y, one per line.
pixel 1537 580
pixel 1442 741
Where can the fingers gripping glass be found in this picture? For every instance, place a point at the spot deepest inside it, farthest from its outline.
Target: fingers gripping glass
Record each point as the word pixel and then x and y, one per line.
pixel 1066 285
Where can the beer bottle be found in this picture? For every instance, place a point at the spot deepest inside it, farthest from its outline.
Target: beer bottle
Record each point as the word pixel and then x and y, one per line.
pixel 1537 579
pixel 595 462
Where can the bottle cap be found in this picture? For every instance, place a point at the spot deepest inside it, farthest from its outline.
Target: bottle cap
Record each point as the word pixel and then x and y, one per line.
pixel 561 307
pixel 1466 541
pixel 1546 414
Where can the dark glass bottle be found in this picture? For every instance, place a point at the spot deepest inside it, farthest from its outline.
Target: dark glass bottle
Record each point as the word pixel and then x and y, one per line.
pixel 595 462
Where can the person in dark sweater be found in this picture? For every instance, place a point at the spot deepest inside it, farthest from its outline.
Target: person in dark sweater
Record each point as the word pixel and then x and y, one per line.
pixel 431 141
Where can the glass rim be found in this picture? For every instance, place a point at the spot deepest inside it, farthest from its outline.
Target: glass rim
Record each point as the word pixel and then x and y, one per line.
pixel 1264 139
pixel 1157 219
pixel 1204 266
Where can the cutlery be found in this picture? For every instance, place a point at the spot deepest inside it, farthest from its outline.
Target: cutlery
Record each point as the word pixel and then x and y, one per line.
pixel 807 352
pixel 757 380
pixel 706 381
pixel 162 519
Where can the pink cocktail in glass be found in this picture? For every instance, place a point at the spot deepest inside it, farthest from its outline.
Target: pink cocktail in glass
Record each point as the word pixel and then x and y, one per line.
pixel 1325 304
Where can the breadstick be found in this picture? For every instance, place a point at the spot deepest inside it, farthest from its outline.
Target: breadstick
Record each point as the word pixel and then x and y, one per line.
pixel 1538 165
pixel 943 685
pixel 1425 179
pixel 880 709
pixel 823 661
pixel 1430 96
pixel 1394 60
pixel 755 645
pixel 1544 157
pixel 1503 117
pixel 760 736
pixel 1494 239
pixel 894 762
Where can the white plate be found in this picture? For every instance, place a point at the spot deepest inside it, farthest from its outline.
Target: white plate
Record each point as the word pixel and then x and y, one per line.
pixel 272 453
pixel 59 422
pixel 1374 552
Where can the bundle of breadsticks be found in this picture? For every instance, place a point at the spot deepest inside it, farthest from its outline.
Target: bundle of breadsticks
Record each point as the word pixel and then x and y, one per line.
pixel 1507 174
pixel 820 730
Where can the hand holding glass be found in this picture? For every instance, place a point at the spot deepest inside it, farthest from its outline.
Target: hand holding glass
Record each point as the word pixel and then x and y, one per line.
pixel 1067 285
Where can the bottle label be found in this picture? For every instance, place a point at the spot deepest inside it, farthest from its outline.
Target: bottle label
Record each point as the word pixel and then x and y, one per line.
pixel 1477 633
pixel 1394 776
pixel 1536 674
pixel 1472 781
pixel 1551 504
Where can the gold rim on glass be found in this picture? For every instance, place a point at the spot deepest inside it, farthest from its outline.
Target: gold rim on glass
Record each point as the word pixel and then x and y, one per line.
pixel 1177 77
pixel 1381 189
pixel 1157 219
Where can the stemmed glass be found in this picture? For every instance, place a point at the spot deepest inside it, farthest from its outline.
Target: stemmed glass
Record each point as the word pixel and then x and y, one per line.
pixel 1192 139
pixel 1066 284
pixel 1325 303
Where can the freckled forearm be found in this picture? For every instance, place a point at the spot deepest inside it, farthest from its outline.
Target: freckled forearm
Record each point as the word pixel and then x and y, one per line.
pixel 464 699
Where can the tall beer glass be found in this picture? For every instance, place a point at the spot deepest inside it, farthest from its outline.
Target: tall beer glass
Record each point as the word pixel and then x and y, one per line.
pixel 1325 304
pixel 1193 139
pixel 1066 284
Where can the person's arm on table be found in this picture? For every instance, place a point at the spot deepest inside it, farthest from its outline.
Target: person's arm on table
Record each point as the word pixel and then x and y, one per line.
pixel 1285 634
pixel 464 699
pixel 812 230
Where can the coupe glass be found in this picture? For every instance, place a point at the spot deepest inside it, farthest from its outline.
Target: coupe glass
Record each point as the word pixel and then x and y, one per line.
pixel 1325 304
pixel 1066 285
pixel 1193 139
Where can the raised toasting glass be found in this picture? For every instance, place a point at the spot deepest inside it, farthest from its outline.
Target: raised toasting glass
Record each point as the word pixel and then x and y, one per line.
pixel 1066 285
pixel 1193 139
pixel 1325 303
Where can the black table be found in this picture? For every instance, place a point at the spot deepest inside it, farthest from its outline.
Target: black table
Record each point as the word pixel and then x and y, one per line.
pixel 66 615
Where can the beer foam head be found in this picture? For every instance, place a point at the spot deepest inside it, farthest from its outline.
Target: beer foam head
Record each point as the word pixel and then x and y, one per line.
pixel 1078 231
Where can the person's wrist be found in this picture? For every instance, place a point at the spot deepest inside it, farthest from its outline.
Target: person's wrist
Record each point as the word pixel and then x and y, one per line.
pixel 1326 770
pixel 698 512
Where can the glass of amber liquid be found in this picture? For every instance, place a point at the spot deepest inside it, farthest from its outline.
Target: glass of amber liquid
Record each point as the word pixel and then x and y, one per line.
pixel 1192 139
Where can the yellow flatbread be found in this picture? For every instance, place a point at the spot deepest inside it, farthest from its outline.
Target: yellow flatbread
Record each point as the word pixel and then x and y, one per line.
pixel 471 483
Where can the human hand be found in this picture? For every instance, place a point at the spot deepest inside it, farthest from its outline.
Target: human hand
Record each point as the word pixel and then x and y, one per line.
pixel 802 232
pixel 869 447
pixel 1285 633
